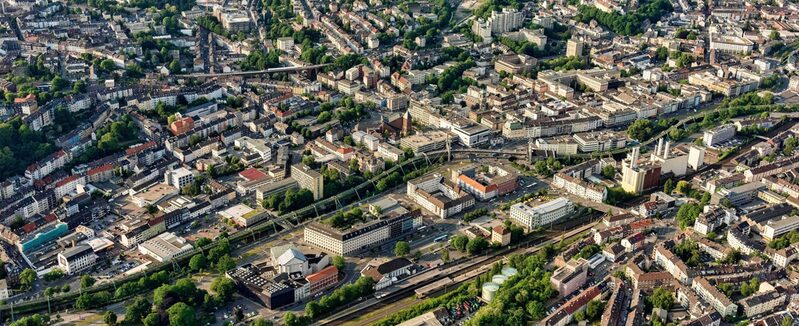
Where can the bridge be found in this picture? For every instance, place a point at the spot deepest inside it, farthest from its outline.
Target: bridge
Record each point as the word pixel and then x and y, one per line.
pixel 255 72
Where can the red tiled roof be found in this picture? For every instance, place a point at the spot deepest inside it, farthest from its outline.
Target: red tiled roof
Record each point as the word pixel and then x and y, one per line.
pixel 100 169
pixel 138 149
pixel 323 274
pixel 30 227
pixel 252 174
pixel 66 180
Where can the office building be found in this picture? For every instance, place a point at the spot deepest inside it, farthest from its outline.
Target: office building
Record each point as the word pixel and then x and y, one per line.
pixel 570 277
pixel 179 177
pixel 165 247
pixel 439 195
pixel 362 236
pixel 541 215
pixel 76 259
pixel 309 179
pixel 718 134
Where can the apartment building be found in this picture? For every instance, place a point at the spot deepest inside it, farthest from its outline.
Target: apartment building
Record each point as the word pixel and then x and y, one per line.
pixel 671 263
pixel 714 297
pixel 570 277
pixel 763 303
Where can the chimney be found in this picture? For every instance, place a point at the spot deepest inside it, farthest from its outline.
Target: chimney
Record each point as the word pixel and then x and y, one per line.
pixel 660 147
pixel 666 151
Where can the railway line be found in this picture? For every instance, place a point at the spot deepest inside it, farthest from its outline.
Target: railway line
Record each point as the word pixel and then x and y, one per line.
pixel 458 272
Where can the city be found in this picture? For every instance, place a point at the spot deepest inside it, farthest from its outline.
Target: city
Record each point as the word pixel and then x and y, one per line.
pixel 393 162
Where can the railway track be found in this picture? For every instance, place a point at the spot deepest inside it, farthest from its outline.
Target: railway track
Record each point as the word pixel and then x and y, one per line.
pixel 461 271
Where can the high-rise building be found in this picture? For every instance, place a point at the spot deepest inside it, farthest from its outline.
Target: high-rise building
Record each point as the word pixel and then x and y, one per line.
pixel 636 178
pixel 574 48
pixel 500 22
pixel 309 179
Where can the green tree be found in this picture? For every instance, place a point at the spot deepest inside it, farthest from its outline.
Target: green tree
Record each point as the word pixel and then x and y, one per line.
pixel 668 186
pixel 661 298
pixel 225 264
pixel 445 255
pixel 152 319
pixel 27 278
pixel 683 187
pixel 197 262
pixel 136 310
pixel 110 318
pixel 181 314
pixel 260 322
pixel 459 242
pixel 202 242
pixel 476 245
pixel 86 281
pixel 223 288
pixel 641 130
pixel 339 262
pixel 774 35
pixel 609 171
pixel 401 249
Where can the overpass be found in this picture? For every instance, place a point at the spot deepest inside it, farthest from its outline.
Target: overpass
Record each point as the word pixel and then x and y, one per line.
pixel 255 72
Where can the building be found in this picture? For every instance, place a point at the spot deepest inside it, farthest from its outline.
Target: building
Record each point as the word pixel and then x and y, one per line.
pixel 487 181
pixel 718 134
pixel 439 196
pixel 696 157
pixel 309 179
pixel 76 259
pixel 322 279
pixel 671 263
pixel 546 213
pixel 500 235
pixel 639 177
pixel 570 277
pixel 362 236
pixel 179 177
pixel 777 227
pixel 714 297
pixel 574 48
pixel 386 272
pixel 514 63
pixel 763 303
pixel 5 291
pixel 165 247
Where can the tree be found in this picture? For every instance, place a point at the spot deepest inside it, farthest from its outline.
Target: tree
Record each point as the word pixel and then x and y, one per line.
pixel 152 319
pixel 197 262
pixel 260 322
pixel 86 281
pixel 401 248
pixel 459 242
pixel 661 298
pixel 312 309
pixel 786 321
pixel 225 264
pixel 223 288
pixel 26 278
pixel 641 129
pixel 683 187
pixel 110 318
pixel 668 187
pixel 445 255
pixel 181 314
pixel 774 35
pixel 608 171
pixel 476 245
pixel 202 242
pixel 339 262
pixel 136 310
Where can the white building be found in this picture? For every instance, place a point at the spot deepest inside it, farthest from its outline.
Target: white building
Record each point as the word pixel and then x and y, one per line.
pixel 179 177
pixel 165 246
pixel 76 259
pixel 718 134
pixel 543 214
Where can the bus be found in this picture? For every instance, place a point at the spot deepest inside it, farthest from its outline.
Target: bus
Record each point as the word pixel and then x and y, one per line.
pixel 441 238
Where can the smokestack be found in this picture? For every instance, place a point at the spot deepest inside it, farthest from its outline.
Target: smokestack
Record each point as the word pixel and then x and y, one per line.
pixel 666 151
pixel 660 146
pixel 73 243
